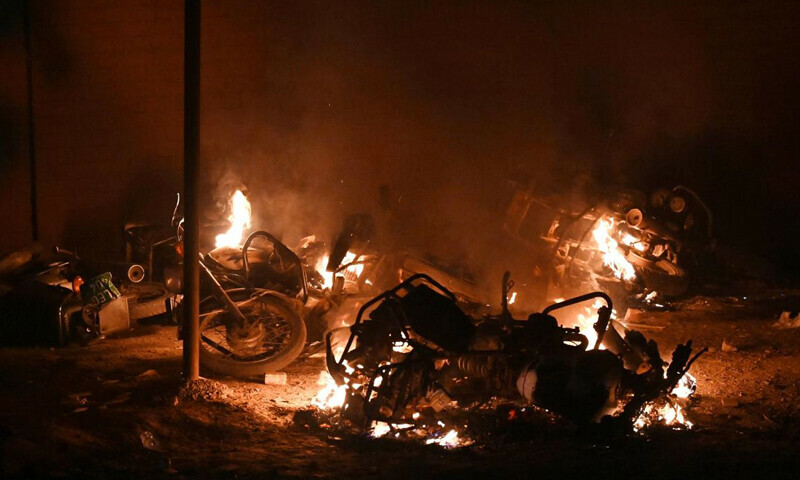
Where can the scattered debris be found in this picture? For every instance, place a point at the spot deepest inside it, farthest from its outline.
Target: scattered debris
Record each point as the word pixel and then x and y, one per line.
pixel 278 378
pixel 788 320
pixel 204 389
pixel 729 347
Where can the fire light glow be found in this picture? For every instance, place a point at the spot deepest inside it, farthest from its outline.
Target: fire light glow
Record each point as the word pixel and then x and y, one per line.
pixel 634 242
pixel 239 219
pixel 685 387
pixel 331 395
pixel 585 322
pixel 352 272
pixel 379 429
pixel 613 256
pixel 668 414
pixel 449 440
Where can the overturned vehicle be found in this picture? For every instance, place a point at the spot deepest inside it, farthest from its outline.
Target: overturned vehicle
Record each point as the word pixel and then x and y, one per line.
pixel 619 240
pixel 412 352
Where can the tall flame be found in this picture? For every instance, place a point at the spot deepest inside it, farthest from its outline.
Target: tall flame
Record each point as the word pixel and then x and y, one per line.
pixel 613 256
pixel 240 221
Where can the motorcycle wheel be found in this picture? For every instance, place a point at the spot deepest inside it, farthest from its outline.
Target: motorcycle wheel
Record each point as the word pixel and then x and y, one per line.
pixel 271 339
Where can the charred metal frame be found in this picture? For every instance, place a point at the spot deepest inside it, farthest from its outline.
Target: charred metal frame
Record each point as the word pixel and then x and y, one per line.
pixel 343 373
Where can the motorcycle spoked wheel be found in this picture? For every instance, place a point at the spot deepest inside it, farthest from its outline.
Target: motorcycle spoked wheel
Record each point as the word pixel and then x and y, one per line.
pixel 273 336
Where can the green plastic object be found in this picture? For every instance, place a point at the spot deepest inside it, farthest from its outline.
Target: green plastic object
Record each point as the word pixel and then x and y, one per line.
pixel 99 291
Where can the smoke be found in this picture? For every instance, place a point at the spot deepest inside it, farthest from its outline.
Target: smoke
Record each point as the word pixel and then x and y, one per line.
pixel 445 107
pixel 314 106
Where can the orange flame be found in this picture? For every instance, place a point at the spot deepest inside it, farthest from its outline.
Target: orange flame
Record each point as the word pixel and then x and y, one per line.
pixel 240 221
pixel 352 272
pixel 613 256
pixel 668 414
pixel 331 395
pixel 449 440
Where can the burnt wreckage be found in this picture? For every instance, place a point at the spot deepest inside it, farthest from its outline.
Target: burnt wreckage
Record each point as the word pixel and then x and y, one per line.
pixel 412 352
pixel 620 241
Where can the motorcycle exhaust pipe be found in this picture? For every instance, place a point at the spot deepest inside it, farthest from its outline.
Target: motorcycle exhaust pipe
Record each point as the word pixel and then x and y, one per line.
pixel 136 273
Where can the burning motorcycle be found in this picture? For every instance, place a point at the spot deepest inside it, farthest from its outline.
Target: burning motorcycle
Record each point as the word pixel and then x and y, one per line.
pixel 623 241
pixel 412 352
pixel 251 296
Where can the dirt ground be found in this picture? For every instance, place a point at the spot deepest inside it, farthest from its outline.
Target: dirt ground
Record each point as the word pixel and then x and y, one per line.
pixel 116 409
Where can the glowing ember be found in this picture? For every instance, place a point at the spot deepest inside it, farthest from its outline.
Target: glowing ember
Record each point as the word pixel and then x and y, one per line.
pixel 667 414
pixel 613 256
pixel 685 387
pixel 350 273
pixel 240 221
pixel 402 347
pixel 331 395
pixel 513 298
pixel 379 429
pixel 450 440
pixel 634 242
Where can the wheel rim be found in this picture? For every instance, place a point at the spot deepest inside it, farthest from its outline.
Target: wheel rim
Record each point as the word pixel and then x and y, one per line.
pixel 266 334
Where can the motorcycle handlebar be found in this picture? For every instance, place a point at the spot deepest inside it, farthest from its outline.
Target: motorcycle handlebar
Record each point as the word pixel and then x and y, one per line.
pixel 284 250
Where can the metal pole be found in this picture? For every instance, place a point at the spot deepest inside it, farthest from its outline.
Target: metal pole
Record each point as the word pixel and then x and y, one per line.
pixel 191 160
pixel 31 137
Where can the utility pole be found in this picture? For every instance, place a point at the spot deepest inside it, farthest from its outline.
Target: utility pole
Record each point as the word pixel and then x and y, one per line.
pixel 26 22
pixel 191 161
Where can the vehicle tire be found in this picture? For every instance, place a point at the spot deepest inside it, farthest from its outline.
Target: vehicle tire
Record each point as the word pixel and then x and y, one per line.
pixel 274 336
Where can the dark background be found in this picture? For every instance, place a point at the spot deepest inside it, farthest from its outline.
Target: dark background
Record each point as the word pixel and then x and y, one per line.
pixel 313 105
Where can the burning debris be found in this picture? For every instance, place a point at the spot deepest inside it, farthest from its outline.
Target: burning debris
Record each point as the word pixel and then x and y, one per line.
pixel 623 242
pixel 412 355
